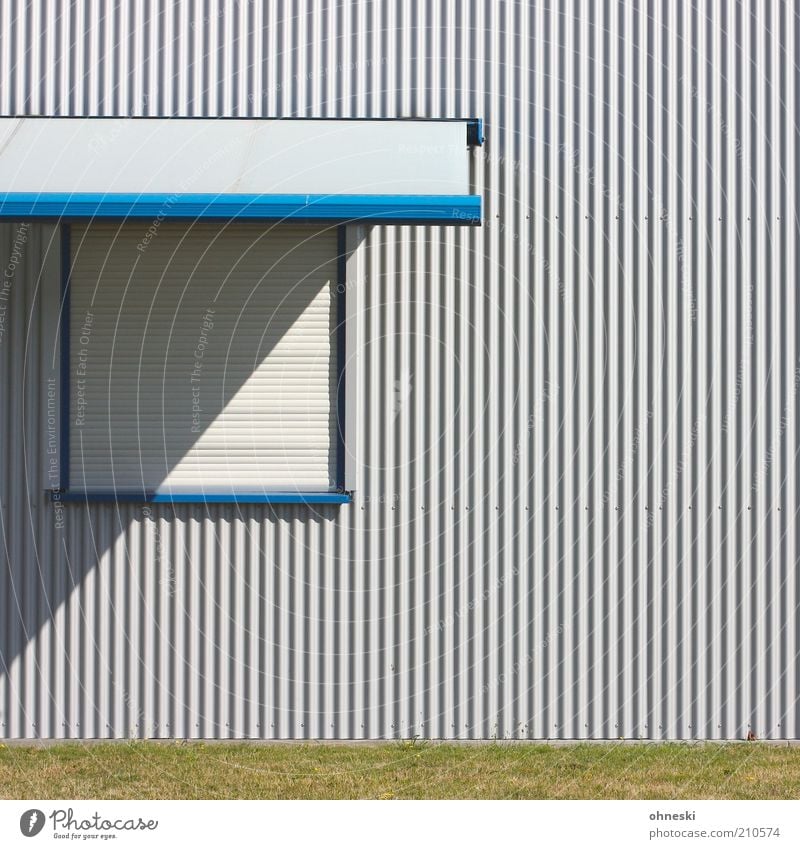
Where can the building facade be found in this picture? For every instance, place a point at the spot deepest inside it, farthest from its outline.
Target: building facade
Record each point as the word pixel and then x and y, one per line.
pixel 574 511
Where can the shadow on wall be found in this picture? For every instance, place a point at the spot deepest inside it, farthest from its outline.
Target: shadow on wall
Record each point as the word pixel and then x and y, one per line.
pixel 62 560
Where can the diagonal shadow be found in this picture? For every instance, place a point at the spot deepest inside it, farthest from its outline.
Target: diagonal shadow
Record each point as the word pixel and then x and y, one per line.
pixel 134 306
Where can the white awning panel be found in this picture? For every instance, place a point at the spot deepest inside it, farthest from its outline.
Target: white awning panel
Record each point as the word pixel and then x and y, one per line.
pixel 239 156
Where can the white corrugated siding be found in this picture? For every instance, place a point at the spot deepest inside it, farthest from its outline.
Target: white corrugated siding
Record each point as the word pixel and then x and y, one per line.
pixel 577 510
pixel 202 358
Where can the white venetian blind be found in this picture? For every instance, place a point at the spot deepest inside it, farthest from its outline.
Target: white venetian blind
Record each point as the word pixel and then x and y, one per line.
pixel 202 358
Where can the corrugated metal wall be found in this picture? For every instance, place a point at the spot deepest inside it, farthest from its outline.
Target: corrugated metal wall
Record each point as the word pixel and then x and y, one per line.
pixel 577 510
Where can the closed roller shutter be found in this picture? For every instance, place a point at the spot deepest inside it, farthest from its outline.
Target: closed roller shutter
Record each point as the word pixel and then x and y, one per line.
pixel 202 358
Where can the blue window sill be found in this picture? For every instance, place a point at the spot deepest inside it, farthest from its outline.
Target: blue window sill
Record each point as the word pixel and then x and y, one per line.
pixel 203 497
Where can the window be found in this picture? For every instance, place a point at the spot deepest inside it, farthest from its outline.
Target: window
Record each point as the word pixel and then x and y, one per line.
pixel 202 361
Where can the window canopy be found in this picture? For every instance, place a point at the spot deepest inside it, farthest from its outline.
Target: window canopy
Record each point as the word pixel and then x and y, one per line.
pixel 414 171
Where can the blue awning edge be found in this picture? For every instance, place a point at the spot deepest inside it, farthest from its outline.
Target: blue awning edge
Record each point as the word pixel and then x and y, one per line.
pixel 412 209
pixel 475 136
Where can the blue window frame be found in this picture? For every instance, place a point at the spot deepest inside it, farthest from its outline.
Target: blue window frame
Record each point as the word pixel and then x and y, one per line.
pixel 66 493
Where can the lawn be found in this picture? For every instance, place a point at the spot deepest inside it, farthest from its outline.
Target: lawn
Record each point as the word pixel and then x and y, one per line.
pixel 398 771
